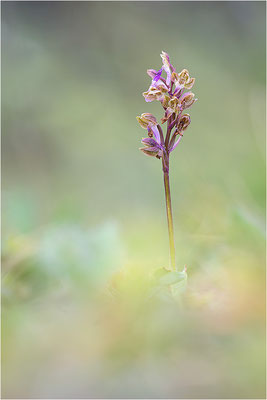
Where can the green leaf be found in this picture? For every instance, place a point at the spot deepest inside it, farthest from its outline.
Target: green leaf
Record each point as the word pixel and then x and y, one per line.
pixel 172 277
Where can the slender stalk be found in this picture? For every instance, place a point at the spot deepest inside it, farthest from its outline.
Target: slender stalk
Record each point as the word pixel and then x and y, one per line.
pixel 168 132
pixel 174 103
pixel 165 167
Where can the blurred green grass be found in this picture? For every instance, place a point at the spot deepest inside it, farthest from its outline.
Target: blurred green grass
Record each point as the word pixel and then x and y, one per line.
pixel 83 222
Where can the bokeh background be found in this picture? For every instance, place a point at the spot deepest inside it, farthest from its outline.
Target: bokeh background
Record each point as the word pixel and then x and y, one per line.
pixel 83 221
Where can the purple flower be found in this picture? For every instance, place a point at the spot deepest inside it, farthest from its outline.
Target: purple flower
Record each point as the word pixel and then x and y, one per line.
pixel 152 148
pixel 149 122
pixel 182 80
pixel 155 75
pixel 167 66
pixel 186 100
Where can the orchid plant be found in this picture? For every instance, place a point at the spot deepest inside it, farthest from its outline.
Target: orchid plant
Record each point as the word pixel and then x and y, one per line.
pixel 173 92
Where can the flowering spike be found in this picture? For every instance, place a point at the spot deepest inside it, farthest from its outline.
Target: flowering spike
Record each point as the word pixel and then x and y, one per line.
pixel 173 98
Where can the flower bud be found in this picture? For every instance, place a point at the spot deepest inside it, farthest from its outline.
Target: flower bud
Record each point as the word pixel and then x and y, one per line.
pixel 143 123
pixel 190 83
pixel 174 77
pixel 173 103
pixel 155 93
pixel 146 119
pixel 183 123
pixel 187 100
pixel 167 115
pixel 167 66
pixel 165 101
pixel 183 80
pixel 166 60
pixel 183 76
pixel 150 118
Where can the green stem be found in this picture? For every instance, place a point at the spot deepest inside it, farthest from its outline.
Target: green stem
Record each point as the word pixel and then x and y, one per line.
pixel 165 165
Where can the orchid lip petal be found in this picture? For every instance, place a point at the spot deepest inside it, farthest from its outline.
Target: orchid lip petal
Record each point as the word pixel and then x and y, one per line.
pixel 173 92
pixel 152 73
pixel 155 75
pixel 158 75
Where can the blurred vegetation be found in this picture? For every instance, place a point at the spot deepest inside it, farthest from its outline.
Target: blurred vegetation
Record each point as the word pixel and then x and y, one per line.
pixel 83 223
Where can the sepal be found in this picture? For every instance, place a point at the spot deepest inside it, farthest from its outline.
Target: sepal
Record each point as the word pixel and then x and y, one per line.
pixel 151 151
pixel 149 142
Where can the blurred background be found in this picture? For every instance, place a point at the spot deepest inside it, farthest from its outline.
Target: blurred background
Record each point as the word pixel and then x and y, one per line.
pixel 83 221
